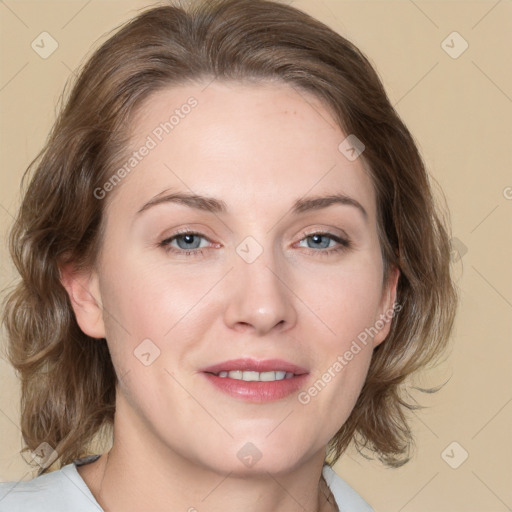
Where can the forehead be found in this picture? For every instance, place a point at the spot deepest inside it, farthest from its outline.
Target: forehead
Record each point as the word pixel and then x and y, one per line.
pixel 258 146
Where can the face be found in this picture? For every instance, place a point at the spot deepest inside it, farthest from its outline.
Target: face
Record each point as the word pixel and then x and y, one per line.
pixel 254 269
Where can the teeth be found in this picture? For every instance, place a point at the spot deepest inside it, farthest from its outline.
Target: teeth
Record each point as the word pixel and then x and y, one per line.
pixel 250 376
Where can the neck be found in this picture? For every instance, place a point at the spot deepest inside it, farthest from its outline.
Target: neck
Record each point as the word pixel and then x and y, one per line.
pixel 139 473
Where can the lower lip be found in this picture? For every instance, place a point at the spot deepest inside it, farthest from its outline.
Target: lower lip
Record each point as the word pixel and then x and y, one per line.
pixel 257 391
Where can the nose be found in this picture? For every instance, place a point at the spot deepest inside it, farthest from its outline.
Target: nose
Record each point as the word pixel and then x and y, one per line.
pixel 260 298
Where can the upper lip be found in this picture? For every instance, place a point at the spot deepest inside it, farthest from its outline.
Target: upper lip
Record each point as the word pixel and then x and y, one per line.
pixel 248 364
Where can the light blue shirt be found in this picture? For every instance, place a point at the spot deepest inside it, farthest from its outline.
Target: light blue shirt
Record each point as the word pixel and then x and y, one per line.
pixel 64 490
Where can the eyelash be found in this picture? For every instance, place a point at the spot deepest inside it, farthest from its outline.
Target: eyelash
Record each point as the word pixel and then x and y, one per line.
pixel 344 244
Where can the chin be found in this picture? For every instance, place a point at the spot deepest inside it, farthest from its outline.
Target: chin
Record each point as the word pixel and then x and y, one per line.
pixel 258 456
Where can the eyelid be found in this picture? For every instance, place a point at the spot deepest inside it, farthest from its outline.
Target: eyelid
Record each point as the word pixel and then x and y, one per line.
pixel 186 230
pixel 323 231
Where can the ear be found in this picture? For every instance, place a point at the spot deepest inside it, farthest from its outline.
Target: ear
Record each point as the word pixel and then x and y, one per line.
pixel 84 294
pixel 387 308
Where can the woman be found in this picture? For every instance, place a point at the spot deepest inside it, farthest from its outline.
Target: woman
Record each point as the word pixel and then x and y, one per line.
pixel 231 256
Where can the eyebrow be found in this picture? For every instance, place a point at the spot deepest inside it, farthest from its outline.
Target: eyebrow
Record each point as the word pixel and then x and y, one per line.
pixel 213 205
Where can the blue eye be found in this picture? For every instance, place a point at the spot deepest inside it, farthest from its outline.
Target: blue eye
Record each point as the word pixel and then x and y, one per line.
pixel 321 241
pixel 190 241
pixel 187 241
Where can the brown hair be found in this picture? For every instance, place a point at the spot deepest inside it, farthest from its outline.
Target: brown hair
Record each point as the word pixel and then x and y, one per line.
pixel 68 380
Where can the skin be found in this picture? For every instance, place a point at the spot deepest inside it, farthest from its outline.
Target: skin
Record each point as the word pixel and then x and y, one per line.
pixel 258 148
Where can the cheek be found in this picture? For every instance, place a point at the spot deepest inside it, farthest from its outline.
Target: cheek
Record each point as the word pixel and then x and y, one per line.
pixel 154 316
pixel 345 310
pixel 345 300
pixel 148 301
pixel 150 324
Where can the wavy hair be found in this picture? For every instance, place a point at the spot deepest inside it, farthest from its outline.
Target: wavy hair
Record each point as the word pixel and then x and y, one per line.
pixel 67 378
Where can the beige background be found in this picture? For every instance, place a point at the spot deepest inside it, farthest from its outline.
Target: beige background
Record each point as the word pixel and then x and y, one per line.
pixel 459 110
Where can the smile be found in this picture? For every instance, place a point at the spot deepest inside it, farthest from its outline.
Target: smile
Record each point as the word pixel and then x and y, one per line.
pixel 251 376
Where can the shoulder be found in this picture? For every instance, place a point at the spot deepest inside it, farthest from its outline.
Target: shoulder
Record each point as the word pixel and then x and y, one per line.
pixel 346 497
pixel 60 490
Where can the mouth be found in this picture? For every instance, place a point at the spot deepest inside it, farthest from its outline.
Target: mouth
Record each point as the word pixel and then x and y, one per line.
pixel 256 381
pixel 252 376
